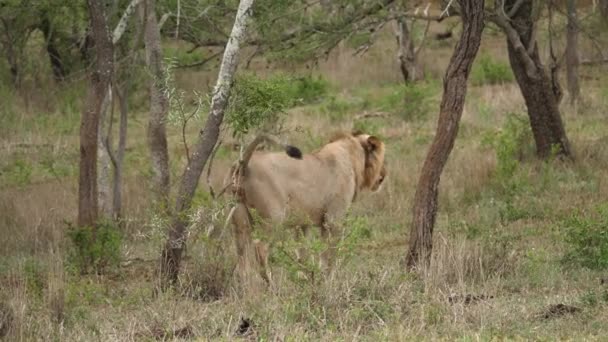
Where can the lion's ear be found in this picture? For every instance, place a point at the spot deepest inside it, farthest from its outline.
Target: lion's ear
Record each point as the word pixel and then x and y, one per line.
pixel 373 143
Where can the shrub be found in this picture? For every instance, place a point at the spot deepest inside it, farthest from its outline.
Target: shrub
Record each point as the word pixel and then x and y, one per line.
pixel 307 89
pixel 486 70
pixel 94 248
pixel 588 238
pixel 410 101
pixel 510 144
pixel 256 102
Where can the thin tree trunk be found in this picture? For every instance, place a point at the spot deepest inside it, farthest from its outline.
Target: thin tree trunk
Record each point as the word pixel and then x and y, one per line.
pixel 104 163
pixel 59 72
pixel 604 9
pixel 540 92
pixel 406 55
pixel 108 187
pixel 100 81
pixel 171 255
pixel 159 107
pixel 450 112
pixel 119 158
pixel 572 58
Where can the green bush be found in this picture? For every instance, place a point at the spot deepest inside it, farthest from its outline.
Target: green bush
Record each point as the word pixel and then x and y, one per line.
pixel 410 101
pixel 307 89
pixel 486 70
pixel 511 142
pixel 256 102
pixel 94 248
pixel 588 238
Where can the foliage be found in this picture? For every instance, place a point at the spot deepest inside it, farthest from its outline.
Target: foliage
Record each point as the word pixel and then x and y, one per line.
pixel 486 70
pixel 94 248
pixel 307 89
pixel 588 238
pixel 256 102
pixel 510 144
pixel 409 101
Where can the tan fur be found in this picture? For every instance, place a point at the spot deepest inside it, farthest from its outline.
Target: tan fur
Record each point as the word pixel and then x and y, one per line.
pixel 317 189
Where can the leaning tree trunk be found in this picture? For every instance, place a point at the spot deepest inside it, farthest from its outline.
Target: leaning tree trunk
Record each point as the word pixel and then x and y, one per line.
pixel 572 58
pixel 159 107
pixel 452 103
pixel 100 81
pixel 171 255
pixel 541 93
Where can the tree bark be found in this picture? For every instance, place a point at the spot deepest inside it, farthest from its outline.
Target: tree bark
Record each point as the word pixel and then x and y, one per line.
pixel 159 107
pixel 171 255
pixel 540 92
pixel 119 158
pixel 450 112
pixel 406 54
pixel 104 163
pixel 100 81
pixel 572 57
pixel 604 9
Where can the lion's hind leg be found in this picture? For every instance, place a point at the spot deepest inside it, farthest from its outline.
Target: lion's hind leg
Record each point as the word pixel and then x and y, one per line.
pixel 250 255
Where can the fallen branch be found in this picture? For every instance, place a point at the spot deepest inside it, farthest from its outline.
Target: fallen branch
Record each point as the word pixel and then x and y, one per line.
pixel 366 115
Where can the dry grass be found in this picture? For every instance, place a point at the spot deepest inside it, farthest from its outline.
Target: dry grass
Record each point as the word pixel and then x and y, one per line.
pixel 496 263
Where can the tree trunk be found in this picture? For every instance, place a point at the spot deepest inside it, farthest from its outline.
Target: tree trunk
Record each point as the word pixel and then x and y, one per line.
pixel 572 58
pixel 405 53
pixel 452 103
pixel 604 9
pixel 59 72
pixel 104 163
pixel 120 155
pixel 540 92
pixel 171 255
pixel 100 81
pixel 159 107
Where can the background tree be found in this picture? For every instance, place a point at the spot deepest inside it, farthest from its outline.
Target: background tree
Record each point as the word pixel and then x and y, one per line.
pixel 452 103
pixel 572 52
pixel 541 93
pixel 101 78
pixel 159 106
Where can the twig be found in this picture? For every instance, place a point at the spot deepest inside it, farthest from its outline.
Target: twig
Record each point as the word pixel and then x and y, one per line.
pixel 211 158
pixel 367 115
pixel 203 62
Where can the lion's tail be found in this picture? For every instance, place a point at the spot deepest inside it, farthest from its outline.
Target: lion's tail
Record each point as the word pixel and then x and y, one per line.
pixel 291 151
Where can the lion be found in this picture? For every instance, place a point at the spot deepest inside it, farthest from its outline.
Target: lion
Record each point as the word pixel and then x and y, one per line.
pixel 318 188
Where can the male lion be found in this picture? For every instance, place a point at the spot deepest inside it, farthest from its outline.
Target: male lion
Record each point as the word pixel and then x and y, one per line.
pixel 318 188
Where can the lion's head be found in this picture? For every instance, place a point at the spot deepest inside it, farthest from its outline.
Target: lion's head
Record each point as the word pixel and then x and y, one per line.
pixel 375 167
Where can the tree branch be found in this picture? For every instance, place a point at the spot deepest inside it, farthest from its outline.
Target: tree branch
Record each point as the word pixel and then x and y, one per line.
pixel 122 23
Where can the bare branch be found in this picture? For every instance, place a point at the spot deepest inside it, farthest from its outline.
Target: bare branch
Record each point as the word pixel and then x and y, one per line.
pixel 122 23
pixel 515 8
pixel 515 40
pixel 201 63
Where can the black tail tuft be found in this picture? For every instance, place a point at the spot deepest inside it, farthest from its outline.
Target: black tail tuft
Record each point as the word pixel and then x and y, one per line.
pixel 293 152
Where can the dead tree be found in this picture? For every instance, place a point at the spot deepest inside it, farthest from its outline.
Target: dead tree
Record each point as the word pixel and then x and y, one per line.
pixel 406 52
pixel 101 78
pixel 159 107
pixel 172 253
pixel 572 57
pixel 450 112
pixel 541 92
